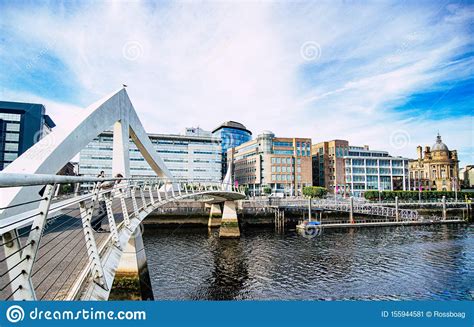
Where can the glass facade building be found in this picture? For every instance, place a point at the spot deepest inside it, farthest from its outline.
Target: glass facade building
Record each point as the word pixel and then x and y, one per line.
pixel 21 126
pixel 374 170
pixel 231 134
pixel 192 156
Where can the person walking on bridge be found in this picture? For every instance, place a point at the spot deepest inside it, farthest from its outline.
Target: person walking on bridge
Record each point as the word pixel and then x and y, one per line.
pixel 97 222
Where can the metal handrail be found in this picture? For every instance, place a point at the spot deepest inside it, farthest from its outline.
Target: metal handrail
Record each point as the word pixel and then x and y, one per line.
pixel 16 179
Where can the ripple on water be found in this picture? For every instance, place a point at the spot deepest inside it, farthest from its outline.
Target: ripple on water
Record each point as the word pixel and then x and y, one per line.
pixel 425 262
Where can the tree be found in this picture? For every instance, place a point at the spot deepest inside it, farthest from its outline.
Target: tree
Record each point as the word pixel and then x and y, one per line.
pixel 314 191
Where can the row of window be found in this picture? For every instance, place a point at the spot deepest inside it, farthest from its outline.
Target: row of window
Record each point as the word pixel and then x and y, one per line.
pixel 12 137
pixel 11 147
pixel 285 178
pixel 287 161
pixel 283 144
pixel 372 180
pixel 11 117
pixel 374 162
pixel 285 169
pixel 394 171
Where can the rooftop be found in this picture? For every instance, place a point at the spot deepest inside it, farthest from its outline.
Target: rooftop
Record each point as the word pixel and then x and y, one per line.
pixel 232 124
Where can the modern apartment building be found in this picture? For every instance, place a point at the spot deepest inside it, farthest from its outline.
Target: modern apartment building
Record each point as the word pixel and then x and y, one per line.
pixel 232 134
pixel 352 170
pixel 195 155
pixel 21 126
pixel 281 163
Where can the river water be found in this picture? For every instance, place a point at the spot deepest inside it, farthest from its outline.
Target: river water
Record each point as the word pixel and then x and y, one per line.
pixel 407 263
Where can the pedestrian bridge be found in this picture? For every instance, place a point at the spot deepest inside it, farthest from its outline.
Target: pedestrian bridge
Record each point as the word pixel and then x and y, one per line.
pixel 52 246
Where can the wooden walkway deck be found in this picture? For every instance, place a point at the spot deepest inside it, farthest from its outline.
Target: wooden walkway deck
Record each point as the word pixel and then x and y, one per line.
pixel 62 254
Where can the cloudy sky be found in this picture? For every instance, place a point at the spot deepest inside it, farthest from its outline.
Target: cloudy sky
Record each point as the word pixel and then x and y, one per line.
pixel 387 74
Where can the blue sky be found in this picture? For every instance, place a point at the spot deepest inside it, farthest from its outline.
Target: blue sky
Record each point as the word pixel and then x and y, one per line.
pixel 387 74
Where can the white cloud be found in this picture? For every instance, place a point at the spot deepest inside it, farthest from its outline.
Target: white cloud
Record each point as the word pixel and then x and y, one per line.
pixel 200 64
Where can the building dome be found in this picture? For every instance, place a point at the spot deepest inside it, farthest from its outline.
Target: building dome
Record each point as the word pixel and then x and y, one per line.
pixel 439 145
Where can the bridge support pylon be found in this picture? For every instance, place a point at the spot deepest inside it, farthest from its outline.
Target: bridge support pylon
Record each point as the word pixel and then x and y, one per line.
pixel 215 215
pixel 230 223
pixel 132 277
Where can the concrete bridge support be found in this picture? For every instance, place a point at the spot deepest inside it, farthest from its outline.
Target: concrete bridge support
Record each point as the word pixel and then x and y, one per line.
pixel 230 223
pixel 132 279
pixel 215 215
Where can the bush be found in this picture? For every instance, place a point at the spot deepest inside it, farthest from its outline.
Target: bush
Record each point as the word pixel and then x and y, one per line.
pixel 267 190
pixel 314 191
pixel 414 195
pixel 65 189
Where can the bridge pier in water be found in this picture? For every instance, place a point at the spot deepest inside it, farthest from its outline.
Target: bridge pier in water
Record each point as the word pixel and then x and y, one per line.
pixel 132 279
pixel 215 216
pixel 230 223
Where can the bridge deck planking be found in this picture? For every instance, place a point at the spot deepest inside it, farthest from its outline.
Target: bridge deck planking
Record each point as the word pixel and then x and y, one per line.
pixel 62 255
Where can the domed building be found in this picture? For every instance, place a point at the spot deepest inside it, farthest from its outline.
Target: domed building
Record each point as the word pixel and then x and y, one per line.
pixel 436 168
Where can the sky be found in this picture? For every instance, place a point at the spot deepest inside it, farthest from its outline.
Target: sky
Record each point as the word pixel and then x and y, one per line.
pixel 386 74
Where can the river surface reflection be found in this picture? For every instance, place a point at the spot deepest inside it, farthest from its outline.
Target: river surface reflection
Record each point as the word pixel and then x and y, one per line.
pixel 418 263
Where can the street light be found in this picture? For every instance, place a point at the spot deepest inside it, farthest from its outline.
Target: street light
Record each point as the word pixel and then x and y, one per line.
pixel 419 190
pixel 455 185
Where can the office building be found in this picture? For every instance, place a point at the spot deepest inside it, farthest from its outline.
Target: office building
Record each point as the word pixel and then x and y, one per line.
pixel 281 163
pixel 193 156
pixel 436 169
pixel 21 126
pixel 375 170
pixel 328 163
pixel 352 170
pixel 232 134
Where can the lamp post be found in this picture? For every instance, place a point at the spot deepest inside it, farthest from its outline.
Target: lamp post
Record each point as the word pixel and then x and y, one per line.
pixel 455 185
pixel 419 190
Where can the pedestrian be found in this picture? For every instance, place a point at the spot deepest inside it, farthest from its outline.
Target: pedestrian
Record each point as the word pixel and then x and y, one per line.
pixel 97 222
pixel 97 225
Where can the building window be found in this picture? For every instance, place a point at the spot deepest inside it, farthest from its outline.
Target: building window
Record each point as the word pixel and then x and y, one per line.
pixel 12 127
pixel 11 117
pixel 11 147
pixel 10 156
pixel 12 137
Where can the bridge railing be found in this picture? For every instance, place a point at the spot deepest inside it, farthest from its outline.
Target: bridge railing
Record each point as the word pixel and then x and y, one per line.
pixel 60 232
pixel 339 204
